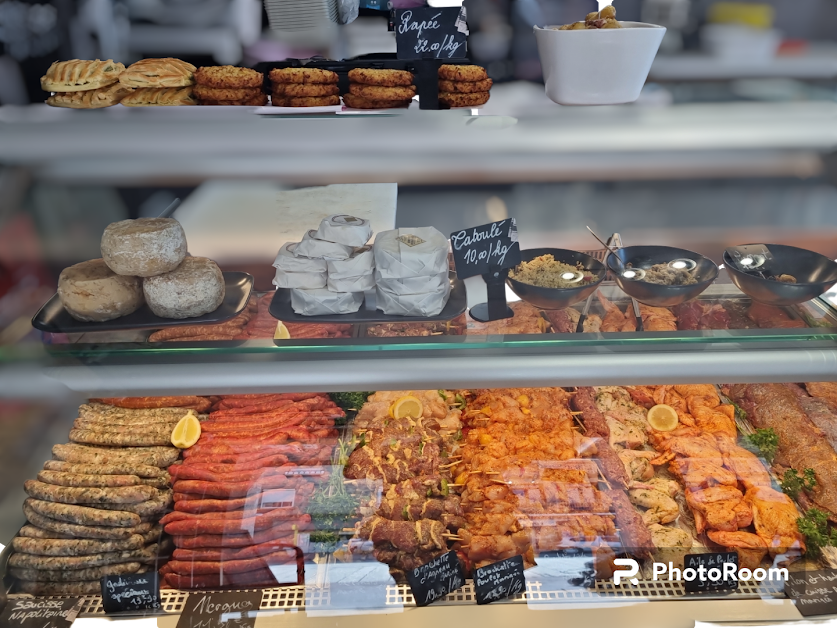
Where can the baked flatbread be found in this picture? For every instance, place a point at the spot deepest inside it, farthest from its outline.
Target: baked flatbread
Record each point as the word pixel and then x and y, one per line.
pixel 166 72
pixel 78 75
pixel 91 98
pixel 165 97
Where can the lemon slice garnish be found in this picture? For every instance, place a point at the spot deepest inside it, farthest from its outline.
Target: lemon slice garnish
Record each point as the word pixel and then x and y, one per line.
pixel 663 418
pixel 187 432
pixel 408 406
pixel 281 332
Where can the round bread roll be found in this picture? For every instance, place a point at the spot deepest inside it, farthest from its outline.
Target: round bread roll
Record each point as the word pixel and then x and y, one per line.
pixel 144 247
pixel 196 287
pixel 92 292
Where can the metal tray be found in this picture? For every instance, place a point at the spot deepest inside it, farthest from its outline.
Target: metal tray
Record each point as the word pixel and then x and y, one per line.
pixel 53 318
pixel 280 308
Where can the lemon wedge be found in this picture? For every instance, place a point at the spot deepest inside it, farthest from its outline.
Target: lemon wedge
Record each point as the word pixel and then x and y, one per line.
pixel 187 432
pixel 281 332
pixel 408 406
pixel 663 418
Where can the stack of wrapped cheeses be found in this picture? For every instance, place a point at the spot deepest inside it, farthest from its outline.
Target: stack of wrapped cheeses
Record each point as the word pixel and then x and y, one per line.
pixel 411 271
pixel 328 272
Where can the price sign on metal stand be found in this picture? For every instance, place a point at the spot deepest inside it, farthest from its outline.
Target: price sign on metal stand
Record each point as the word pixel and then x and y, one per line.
pixel 711 572
pixel 499 580
pixel 813 592
pixel 430 33
pixel 488 250
pixel 135 592
pixel 436 579
pixel 38 613
pixel 221 610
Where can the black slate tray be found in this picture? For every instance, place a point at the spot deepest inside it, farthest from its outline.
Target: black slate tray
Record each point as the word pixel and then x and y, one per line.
pixel 280 308
pixel 53 318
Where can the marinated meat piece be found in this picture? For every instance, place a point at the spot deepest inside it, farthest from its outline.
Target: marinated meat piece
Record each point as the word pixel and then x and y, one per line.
pixel 737 314
pixel 527 320
pixel 715 317
pixel 823 390
pixel 688 315
pixel 772 317
pixel 823 415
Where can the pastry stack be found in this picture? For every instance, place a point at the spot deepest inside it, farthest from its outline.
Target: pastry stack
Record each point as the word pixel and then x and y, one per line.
pixel 78 84
pixel 463 86
pixel 379 89
pixel 304 87
pixel 230 85
pixel 159 83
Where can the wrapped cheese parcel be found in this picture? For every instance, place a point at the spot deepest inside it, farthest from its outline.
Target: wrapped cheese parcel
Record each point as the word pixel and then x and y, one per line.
pixel 414 252
pixel 352 284
pixel 413 285
pixel 425 304
pixel 306 281
pixel 314 248
pixel 290 263
pixel 362 262
pixel 321 301
pixel 345 229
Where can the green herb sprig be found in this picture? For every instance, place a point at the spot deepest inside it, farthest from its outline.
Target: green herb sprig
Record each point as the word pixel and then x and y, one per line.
pixel 814 527
pixel 792 482
pixel 765 442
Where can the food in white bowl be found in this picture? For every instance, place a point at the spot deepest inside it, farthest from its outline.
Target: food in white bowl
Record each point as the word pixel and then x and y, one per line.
pixel 600 61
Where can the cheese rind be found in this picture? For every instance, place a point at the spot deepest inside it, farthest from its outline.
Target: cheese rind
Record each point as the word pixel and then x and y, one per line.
pixel 144 247
pixel 194 288
pixel 92 292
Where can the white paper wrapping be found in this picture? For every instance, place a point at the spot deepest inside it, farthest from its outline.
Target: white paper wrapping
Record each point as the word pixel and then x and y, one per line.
pixel 417 252
pixel 428 304
pixel 413 285
pixel 306 281
pixel 287 261
pixel 362 262
pixel 320 249
pixel 352 284
pixel 319 302
pixel 345 229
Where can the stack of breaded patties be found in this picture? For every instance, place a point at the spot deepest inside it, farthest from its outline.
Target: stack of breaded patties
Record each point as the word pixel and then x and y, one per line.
pixel 81 84
pixel 230 85
pixel 379 89
pixel 159 83
pixel 463 86
pixel 304 87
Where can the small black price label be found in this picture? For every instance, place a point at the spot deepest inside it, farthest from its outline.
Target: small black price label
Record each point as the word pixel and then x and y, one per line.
pixel 813 592
pixel 38 613
pixel 436 579
pixel 221 610
pixel 487 248
pixel 427 32
pixel 135 592
pixel 499 580
pixel 710 572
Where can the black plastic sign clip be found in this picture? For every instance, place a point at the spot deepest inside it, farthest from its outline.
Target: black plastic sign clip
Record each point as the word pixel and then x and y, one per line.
pixel 436 579
pixel 135 592
pixel 236 609
pixel 813 592
pixel 436 33
pixel 710 572
pixel 39 613
pixel 499 580
pixel 491 251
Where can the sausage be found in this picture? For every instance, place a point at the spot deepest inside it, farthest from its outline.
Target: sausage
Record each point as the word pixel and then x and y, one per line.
pixel 236 522
pixel 187 472
pixel 31 532
pixel 145 437
pixel 244 440
pixel 74 575
pixel 222 454
pixel 233 325
pixel 144 416
pixel 281 532
pixel 30 561
pixel 229 566
pixel 70 495
pixel 78 480
pixel 83 515
pixel 151 402
pixel 80 531
pixel 254 551
pixel 155 456
pixel 84 587
pixel 262 577
pixel 150 508
pixel 233 489
pixel 74 547
pixel 152 535
pixel 158 483
pixel 140 470
pixel 595 424
pixel 258 425
pixel 104 425
pixel 233 515
pixel 199 506
pixel 275 460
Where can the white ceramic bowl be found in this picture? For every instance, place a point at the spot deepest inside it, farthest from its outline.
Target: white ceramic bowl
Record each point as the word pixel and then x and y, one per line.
pixel 597 66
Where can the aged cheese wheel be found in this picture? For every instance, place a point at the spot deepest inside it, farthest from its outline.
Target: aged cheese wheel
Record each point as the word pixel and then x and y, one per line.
pixel 194 288
pixel 144 247
pixel 92 292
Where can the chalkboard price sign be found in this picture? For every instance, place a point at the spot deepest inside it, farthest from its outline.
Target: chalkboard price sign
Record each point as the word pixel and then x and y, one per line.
pixel 221 610
pixel 430 33
pixel 708 572
pixel 499 580
pixel 813 592
pixel 436 579
pixel 136 592
pixel 35 613
pixel 487 248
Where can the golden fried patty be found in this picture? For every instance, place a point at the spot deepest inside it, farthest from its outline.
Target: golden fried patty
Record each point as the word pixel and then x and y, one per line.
pixel 229 77
pixel 219 93
pixel 463 87
pixel 452 99
pixel 303 75
pixel 305 90
pixel 376 92
pixel 359 102
pixel 468 73
pixel 383 78
pixel 288 101
pixel 260 100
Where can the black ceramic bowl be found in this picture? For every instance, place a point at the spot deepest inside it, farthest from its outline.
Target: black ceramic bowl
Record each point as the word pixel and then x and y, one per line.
pixel 644 257
pixel 815 274
pixel 558 298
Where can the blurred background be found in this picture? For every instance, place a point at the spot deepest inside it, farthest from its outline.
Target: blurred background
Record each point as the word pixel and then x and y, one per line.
pixel 733 140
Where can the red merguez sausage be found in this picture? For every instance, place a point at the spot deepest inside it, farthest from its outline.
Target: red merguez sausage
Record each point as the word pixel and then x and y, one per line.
pixel 261 577
pixel 247 439
pixel 256 452
pixel 254 551
pixel 313 403
pixel 242 401
pixel 188 472
pixel 231 566
pixel 250 511
pixel 252 426
pixel 233 489
pixel 275 460
pixel 284 532
pixel 238 522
